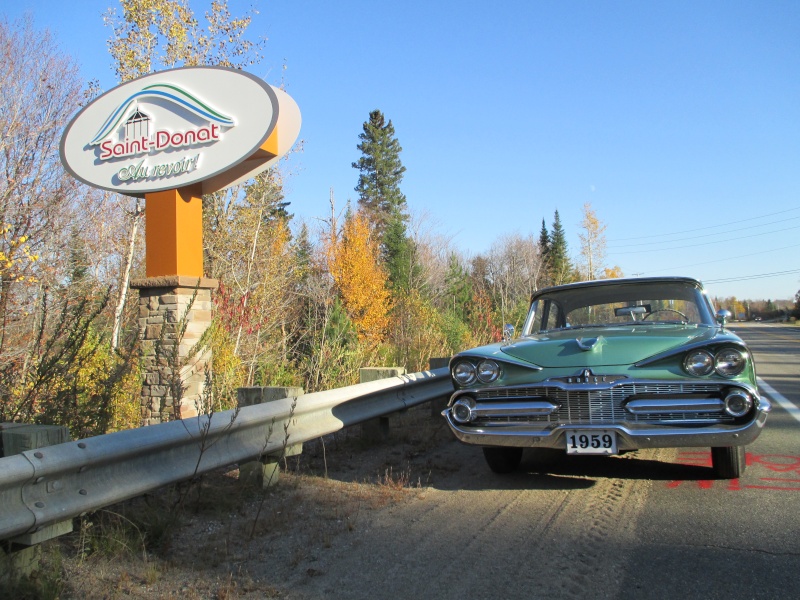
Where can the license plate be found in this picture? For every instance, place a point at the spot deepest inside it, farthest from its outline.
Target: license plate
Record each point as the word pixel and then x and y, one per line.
pixel 591 441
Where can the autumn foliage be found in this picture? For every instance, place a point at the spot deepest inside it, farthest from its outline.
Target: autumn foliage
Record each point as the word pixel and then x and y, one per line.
pixel 353 260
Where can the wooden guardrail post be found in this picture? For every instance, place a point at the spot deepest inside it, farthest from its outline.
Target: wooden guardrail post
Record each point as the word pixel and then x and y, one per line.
pixel 264 473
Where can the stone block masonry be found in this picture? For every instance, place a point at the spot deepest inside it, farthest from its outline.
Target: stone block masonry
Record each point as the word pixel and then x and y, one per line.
pixel 174 312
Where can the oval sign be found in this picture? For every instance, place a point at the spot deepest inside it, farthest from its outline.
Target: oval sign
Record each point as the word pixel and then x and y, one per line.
pixel 177 128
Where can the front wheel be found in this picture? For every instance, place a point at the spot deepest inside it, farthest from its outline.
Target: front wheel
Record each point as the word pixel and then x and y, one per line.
pixel 728 462
pixel 502 460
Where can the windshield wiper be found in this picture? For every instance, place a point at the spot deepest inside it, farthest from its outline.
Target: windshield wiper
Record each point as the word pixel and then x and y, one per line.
pixel 573 327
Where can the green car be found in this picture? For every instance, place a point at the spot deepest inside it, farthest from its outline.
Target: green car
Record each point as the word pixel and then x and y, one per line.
pixel 605 367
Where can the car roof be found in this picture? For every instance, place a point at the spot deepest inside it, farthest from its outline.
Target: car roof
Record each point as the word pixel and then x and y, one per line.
pixel 621 281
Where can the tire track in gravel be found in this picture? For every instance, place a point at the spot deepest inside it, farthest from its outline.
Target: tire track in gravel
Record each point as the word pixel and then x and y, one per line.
pixel 537 537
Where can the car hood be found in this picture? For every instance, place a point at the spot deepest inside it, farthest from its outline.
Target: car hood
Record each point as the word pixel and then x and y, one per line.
pixel 603 347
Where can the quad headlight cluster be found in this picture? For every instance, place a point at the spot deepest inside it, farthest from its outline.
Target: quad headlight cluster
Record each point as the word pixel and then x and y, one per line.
pixel 727 362
pixel 467 373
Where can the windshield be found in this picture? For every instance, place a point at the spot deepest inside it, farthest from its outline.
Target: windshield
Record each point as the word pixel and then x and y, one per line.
pixel 619 304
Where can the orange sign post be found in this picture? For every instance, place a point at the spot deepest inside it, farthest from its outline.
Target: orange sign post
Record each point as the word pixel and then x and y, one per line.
pixel 174 232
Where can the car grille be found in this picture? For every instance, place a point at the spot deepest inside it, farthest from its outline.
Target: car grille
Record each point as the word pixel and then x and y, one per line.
pixel 604 406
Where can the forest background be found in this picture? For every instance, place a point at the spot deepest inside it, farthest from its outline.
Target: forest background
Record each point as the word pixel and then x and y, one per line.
pixel 304 304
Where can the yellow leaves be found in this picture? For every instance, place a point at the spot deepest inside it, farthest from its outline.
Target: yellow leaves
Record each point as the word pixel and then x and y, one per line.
pixel 353 262
pixel 593 242
pixel 16 257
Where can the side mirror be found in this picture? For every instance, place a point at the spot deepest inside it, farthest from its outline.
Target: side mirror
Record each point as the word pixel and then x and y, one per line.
pixel 723 316
pixel 508 332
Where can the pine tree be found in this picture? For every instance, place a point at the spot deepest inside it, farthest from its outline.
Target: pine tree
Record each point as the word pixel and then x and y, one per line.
pixel 544 241
pixel 544 251
pixel 560 267
pixel 397 252
pixel 381 200
pixel 381 173
pixel 459 288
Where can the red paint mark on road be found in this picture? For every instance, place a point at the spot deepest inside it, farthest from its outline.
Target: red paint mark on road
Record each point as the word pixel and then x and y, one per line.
pixel 703 484
pixel 776 463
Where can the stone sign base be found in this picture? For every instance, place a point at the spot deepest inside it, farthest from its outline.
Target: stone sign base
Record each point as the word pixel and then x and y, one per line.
pixel 174 312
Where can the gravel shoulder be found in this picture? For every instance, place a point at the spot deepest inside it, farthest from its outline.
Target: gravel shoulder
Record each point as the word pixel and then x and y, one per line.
pixel 415 515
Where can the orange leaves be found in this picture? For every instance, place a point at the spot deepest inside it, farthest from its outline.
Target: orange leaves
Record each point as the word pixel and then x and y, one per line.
pixel 354 263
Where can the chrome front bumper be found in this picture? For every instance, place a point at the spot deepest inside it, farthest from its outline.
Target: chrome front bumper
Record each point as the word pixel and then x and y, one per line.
pixel 518 421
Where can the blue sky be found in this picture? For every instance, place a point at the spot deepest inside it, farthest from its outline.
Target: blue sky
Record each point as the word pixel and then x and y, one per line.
pixel 677 121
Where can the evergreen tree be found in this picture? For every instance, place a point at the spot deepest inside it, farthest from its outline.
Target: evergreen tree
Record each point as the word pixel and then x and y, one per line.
pixel 398 254
pixel 303 251
pixel 459 288
pixel 381 173
pixel 78 259
pixel 381 200
pixel 560 267
pixel 544 251
pixel 544 241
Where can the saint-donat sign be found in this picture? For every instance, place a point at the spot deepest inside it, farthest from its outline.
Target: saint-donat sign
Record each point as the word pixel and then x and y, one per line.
pixel 211 126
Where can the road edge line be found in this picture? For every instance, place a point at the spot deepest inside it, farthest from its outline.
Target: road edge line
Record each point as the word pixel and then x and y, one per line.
pixel 785 403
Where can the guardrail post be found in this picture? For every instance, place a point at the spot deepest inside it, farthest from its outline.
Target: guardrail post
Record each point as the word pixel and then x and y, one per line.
pixel 376 430
pixel 22 554
pixel 264 473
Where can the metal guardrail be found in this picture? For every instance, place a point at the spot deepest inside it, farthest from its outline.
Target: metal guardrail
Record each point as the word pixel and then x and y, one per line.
pixel 45 486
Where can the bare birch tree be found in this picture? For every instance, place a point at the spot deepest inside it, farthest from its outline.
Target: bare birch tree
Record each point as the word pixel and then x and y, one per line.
pixel 593 244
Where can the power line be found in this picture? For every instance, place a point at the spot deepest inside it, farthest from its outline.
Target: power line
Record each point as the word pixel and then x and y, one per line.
pixel 748 220
pixel 738 238
pixel 727 258
pixel 749 277
pixel 694 237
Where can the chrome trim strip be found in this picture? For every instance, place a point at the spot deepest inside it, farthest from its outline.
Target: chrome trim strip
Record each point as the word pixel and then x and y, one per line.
pixel 516 409
pixel 600 385
pixel 656 406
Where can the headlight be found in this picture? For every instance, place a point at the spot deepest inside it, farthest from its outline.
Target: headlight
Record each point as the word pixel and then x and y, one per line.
pixel 738 403
pixel 699 363
pixel 462 410
pixel 464 373
pixel 488 371
pixel 730 362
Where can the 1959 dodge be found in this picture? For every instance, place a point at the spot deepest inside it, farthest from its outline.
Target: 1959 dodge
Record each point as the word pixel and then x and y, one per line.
pixel 604 367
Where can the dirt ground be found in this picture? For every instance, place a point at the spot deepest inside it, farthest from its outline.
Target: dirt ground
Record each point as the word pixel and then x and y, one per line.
pixel 219 538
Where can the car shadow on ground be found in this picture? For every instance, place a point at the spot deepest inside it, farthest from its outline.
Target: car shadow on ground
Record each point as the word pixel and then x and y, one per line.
pixel 564 472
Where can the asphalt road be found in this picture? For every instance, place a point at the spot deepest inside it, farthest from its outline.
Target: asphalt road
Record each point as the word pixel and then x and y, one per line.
pixel 650 524
pixel 737 539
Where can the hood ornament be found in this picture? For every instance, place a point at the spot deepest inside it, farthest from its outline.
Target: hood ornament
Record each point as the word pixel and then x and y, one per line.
pixel 589 344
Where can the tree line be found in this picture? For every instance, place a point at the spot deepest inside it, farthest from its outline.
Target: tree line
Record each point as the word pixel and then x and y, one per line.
pixel 298 304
